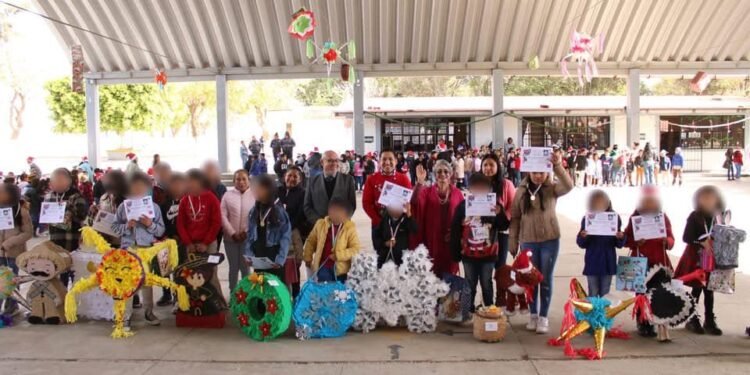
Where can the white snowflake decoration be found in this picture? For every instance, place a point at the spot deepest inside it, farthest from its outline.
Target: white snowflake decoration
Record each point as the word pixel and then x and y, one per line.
pixel 411 291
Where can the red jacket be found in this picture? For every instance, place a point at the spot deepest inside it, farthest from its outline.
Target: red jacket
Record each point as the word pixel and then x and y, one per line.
pixel 654 250
pixel 373 187
pixel 199 218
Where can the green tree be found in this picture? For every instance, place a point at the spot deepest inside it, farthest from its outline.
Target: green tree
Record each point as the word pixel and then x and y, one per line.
pixel 122 107
pixel 540 85
pixel 196 97
pixel 321 91
pixel 263 96
pixel 680 86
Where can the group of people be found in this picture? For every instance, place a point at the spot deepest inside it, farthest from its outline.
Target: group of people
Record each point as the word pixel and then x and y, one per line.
pixel 302 216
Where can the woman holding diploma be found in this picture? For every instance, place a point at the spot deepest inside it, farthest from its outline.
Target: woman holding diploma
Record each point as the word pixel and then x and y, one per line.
pixel 433 209
pixel 534 226
pixel 374 186
pixel 505 191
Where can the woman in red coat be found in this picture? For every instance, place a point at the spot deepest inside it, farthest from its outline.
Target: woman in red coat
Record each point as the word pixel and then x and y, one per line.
pixel 433 208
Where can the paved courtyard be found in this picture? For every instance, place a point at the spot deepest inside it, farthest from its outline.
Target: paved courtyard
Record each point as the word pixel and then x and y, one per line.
pixel 85 347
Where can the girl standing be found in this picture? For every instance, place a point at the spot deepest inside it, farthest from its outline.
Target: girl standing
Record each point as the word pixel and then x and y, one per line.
pixel 13 240
pixel 600 262
pixel 269 233
pixel 292 196
pixel 709 209
pixel 655 250
pixel 235 206
pixel 534 226
pixel 505 191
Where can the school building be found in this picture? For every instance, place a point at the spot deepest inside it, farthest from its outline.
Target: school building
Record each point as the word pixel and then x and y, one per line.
pixel 667 122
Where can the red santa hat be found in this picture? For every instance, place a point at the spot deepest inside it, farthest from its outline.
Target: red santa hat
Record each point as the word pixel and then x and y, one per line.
pixel 130 156
pixel 522 263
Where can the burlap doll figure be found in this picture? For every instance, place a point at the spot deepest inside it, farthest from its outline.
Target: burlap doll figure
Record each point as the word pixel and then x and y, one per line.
pixel 46 296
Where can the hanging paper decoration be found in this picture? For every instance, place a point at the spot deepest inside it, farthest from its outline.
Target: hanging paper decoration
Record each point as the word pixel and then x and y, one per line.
pixel 161 78
pixel 592 314
pixel 324 310
pixel 583 49
pixel 411 291
pixel 262 306
pixel 205 301
pixel 303 24
pixel 699 82
pixel 534 63
pixel 120 274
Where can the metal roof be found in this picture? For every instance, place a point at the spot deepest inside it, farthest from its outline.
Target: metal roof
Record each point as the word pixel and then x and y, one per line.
pixel 526 104
pixel 248 38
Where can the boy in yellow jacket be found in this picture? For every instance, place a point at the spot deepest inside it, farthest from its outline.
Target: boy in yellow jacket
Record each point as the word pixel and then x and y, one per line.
pixel 332 243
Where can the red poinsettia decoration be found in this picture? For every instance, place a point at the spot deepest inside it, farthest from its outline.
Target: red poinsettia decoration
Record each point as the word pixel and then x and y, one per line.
pixel 241 296
pixel 271 306
pixel 161 78
pixel 243 318
pixel 265 329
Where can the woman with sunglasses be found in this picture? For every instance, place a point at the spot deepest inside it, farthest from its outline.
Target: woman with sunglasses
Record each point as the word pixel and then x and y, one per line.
pixel 433 209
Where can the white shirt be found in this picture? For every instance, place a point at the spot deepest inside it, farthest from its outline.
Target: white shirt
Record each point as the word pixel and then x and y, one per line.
pixel 235 207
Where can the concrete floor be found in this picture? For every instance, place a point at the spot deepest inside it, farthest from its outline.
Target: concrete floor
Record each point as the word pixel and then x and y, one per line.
pixel 85 347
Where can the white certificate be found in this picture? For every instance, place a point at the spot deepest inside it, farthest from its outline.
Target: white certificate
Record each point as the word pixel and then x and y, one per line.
pixel 136 208
pixel 52 212
pixel 6 218
pixel 394 195
pixel 103 223
pixel 646 227
pixel 262 263
pixel 601 223
pixel 536 159
pixel 480 204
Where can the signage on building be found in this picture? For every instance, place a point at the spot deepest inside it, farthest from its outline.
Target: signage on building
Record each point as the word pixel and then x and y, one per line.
pixel 369 139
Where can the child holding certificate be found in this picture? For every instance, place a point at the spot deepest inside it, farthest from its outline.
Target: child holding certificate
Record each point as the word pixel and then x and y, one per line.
pixel 709 209
pixel 601 242
pixel 15 230
pixel 391 237
pixel 473 241
pixel 654 249
pixel 140 232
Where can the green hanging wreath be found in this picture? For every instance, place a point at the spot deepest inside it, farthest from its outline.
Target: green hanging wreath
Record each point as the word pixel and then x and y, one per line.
pixel 262 306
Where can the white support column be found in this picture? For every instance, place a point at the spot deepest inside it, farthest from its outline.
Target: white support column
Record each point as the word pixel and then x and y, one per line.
pixel 221 121
pixel 746 127
pixel 498 126
pixel 359 114
pixel 633 106
pixel 92 122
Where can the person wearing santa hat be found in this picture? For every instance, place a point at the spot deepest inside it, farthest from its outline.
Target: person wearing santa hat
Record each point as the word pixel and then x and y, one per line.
pixel 34 169
pixel 655 250
pixel 534 226
pixel 132 167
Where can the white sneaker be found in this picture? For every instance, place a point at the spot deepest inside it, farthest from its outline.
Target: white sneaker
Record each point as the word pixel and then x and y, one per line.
pixel 531 326
pixel 542 325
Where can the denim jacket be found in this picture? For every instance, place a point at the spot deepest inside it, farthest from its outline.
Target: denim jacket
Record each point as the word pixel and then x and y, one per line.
pixel 279 234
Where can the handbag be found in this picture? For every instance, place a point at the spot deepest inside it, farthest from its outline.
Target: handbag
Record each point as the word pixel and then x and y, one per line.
pixel 726 243
pixel 456 306
pixel 721 281
pixel 631 274
pixel 708 262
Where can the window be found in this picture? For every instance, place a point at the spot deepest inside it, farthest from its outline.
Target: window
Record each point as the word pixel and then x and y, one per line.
pixel 567 131
pixel 718 138
pixel 423 133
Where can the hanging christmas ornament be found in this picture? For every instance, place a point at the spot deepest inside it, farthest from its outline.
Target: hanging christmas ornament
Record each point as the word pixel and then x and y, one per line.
pixel 583 49
pixel 161 78
pixel 303 24
pixel 534 63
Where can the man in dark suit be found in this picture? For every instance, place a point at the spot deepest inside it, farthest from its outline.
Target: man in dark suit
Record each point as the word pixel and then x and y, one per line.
pixel 329 184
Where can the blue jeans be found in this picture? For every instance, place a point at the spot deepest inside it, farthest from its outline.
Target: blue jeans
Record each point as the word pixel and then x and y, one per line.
pixel 359 183
pixel 328 274
pixel 737 170
pixel 649 170
pixel 544 257
pixel 599 285
pixel 478 271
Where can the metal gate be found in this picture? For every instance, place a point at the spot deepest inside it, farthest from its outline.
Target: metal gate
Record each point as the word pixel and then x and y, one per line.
pixel 693 159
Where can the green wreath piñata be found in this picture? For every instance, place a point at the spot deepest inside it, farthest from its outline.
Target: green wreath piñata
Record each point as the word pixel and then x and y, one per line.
pixel 262 306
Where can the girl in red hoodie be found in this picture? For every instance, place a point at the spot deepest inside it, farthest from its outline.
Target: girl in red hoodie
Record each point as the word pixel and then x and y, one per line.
pixel 199 219
pixel 655 250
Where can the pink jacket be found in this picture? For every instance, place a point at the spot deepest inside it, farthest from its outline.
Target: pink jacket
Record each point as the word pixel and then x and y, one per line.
pixel 509 192
pixel 235 208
